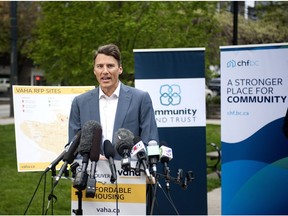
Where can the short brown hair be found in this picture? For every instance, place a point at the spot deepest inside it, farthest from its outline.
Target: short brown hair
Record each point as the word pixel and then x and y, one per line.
pixel 110 50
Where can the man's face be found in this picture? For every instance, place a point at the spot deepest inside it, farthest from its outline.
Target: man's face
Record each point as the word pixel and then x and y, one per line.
pixel 107 71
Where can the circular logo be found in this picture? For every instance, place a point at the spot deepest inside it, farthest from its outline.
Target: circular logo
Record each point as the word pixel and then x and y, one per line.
pixel 170 95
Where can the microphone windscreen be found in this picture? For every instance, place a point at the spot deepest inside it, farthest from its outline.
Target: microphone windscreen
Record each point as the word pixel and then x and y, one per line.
pixel 123 141
pixel 96 143
pixel 153 149
pixel 152 143
pixel 87 136
pixel 69 156
pixel 108 149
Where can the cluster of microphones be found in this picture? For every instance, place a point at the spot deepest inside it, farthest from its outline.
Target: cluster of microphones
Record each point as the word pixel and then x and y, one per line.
pixel 87 143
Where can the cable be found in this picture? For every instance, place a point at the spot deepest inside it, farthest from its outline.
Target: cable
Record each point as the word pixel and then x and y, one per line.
pixel 52 206
pixel 154 197
pixel 50 198
pixel 44 193
pixel 169 199
pixel 43 174
pixel 172 203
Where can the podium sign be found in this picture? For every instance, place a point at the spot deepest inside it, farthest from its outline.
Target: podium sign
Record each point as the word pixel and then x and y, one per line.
pixel 130 199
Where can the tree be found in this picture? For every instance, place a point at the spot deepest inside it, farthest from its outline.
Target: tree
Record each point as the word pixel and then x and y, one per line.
pixel 250 32
pixel 274 15
pixel 67 33
pixel 27 13
pixel 271 26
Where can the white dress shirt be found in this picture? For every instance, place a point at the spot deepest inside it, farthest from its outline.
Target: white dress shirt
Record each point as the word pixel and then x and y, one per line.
pixel 108 106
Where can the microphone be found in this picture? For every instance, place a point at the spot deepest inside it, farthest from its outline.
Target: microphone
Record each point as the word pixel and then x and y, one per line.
pixel 68 157
pixel 86 141
pixel 188 178
pixel 179 176
pixel 153 153
pixel 94 157
pixel 140 150
pixel 165 156
pixel 110 154
pixel 76 140
pixel 123 144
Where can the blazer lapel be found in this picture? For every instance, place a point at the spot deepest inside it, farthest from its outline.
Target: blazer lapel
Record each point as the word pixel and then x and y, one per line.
pixel 123 105
pixel 93 103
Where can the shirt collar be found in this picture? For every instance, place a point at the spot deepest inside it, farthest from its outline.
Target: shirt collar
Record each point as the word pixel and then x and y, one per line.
pixel 115 93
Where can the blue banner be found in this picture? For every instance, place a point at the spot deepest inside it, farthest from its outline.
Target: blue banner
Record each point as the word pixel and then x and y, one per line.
pixel 175 80
pixel 254 87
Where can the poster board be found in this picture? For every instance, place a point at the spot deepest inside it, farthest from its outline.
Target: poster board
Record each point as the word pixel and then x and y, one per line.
pixel 41 123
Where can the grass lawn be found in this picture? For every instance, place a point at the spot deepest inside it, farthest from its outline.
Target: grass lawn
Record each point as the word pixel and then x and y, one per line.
pixel 17 188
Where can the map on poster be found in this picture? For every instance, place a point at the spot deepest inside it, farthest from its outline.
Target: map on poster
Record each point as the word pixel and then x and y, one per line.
pixel 41 123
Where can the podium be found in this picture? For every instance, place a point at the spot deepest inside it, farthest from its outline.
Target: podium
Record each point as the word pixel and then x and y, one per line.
pixel 127 196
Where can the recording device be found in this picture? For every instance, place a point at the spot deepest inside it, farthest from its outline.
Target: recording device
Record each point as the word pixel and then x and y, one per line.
pixel 85 146
pixel 188 178
pixel 179 177
pixel 94 157
pixel 109 153
pixel 68 157
pixel 165 156
pixel 123 144
pixel 140 151
pixel 153 153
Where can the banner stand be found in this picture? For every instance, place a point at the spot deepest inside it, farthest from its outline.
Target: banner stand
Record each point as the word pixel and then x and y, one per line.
pixel 178 96
pixel 254 86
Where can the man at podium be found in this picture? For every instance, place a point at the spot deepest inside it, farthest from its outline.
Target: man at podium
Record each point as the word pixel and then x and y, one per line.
pixel 113 104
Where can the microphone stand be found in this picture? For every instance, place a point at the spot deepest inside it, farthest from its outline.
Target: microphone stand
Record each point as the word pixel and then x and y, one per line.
pixel 53 173
pixel 152 196
pixel 167 177
pixel 79 211
pixel 51 195
pixel 79 193
pixel 149 200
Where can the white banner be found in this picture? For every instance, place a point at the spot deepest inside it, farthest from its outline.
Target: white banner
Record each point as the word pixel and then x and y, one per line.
pixel 252 93
pixel 176 102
